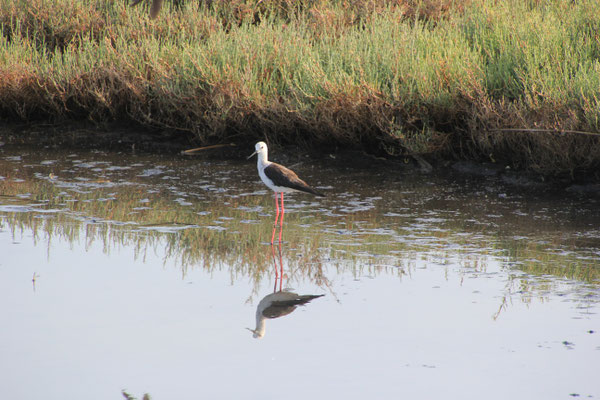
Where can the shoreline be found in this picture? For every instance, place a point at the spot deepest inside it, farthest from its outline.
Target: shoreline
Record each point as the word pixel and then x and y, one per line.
pixel 124 138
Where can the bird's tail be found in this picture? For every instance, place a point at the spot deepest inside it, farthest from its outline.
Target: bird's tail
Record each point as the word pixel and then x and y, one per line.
pixel 311 190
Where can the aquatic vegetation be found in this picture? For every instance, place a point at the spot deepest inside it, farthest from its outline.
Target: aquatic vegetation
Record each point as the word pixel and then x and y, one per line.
pixel 516 82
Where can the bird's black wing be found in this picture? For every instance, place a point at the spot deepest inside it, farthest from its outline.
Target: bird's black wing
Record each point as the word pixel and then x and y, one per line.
pixel 282 176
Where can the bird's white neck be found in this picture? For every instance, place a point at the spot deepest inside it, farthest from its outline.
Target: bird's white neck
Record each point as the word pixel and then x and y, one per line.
pixel 262 160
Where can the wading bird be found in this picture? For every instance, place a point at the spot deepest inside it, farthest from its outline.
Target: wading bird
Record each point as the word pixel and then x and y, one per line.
pixel 280 180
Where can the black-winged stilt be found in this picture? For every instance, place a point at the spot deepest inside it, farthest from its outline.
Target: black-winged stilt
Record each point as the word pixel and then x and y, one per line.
pixel 280 180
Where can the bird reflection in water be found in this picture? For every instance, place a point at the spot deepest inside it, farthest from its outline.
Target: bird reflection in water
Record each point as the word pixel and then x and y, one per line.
pixel 279 303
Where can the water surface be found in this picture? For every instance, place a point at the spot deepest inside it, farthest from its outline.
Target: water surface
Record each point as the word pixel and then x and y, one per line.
pixel 124 271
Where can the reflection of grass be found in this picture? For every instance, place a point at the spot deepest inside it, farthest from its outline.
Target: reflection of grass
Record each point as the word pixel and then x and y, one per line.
pixel 189 234
pixel 211 235
pixel 537 259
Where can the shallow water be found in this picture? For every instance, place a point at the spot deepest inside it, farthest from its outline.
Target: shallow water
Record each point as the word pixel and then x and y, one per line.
pixel 140 273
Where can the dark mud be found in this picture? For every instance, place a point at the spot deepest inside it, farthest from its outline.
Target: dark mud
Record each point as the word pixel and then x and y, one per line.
pixel 156 141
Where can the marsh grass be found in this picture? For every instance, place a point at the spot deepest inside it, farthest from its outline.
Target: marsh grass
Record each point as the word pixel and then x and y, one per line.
pixel 431 77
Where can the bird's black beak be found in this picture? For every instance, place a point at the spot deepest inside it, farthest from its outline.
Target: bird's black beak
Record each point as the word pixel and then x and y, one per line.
pixel 250 156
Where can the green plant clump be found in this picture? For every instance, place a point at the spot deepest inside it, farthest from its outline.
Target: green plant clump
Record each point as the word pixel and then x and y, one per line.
pixel 512 81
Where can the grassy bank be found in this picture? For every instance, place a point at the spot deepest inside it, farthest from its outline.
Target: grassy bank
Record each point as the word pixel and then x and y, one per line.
pixel 513 81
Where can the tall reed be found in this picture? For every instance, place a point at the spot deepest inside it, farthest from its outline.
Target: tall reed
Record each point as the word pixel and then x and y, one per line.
pixel 517 81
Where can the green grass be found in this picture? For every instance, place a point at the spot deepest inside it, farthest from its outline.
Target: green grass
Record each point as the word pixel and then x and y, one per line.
pixel 430 77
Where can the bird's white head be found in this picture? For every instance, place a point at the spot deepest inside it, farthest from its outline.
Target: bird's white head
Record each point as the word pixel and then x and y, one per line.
pixel 261 149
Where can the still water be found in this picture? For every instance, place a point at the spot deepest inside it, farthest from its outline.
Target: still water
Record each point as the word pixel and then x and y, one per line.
pixel 153 274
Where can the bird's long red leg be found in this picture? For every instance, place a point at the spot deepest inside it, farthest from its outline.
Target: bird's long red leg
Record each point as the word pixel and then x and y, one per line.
pixel 276 218
pixel 281 220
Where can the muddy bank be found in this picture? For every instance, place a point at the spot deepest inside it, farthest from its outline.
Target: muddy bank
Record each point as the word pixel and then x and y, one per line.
pixel 124 138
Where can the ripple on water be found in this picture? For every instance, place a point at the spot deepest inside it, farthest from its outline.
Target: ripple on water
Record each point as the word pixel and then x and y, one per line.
pixel 15 208
pixel 215 228
pixel 165 228
pixel 152 172
pixel 183 202
pixel 249 209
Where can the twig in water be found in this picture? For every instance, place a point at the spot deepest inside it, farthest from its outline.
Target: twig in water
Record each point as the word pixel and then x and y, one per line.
pixel 214 146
